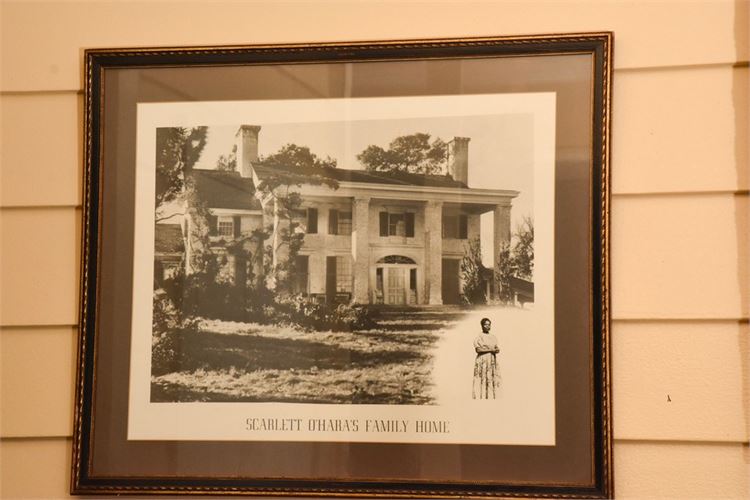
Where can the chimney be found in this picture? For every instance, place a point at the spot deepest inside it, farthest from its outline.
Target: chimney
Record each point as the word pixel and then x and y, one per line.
pixel 247 148
pixel 458 159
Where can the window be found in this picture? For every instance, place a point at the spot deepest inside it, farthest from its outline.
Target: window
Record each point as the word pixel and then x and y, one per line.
pixel 228 226
pixel 225 226
pixel 396 259
pixel 305 219
pixel 339 222
pixel 345 223
pixel 397 224
pixel 456 226
pixel 301 280
pixel 312 220
pixel 343 274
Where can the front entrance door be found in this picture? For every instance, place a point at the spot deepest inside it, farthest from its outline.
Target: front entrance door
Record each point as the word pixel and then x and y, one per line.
pixel 396 285
pixel 451 292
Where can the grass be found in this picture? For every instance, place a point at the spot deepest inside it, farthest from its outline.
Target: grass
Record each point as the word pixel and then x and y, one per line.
pixel 229 361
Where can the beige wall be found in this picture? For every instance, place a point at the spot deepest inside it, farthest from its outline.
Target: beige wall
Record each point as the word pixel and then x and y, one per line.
pixel 679 211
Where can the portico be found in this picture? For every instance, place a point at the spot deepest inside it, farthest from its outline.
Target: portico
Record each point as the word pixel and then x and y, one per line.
pixel 404 247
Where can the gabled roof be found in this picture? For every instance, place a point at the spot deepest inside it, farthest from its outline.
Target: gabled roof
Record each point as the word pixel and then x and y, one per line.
pixel 168 238
pixel 347 175
pixel 222 189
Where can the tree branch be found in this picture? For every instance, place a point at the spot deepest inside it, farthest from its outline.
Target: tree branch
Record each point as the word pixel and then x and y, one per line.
pixel 159 219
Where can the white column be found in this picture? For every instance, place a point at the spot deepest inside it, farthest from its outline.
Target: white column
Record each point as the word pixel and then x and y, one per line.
pixel 433 222
pixel 361 250
pixel 501 235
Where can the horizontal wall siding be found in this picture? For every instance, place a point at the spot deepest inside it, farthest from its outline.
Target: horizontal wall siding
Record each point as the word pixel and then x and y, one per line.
pixel 680 471
pixel 673 257
pixel 35 468
pixel 670 136
pixel 681 366
pixel 643 471
pixel 681 256
pixel 39 267
pixel 37 376
pixel 652 154
pixel 672 381
pixel 42 137
pixel 680 381
pixel 42 41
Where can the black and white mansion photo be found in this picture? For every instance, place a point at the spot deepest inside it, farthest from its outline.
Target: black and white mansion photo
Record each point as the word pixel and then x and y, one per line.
pixel 296 272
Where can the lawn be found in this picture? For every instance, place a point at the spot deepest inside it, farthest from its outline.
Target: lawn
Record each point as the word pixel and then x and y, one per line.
pixel 229 361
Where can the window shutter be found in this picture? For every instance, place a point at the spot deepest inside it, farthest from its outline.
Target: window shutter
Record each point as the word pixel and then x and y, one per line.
pixel 333 221
pixel 409 224
pixel 312 220
pixel 330 278
pixel 213 221
pixel 463 226
pixel 237 226
pixel 383 223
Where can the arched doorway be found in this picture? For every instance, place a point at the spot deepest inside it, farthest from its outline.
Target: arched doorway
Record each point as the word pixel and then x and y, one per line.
pixel 396 280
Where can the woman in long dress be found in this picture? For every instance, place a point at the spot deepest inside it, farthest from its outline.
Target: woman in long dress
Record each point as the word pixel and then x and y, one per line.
pixel 486 371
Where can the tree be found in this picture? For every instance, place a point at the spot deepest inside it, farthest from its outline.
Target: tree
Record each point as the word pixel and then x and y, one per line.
pixel 297 157
pixel 506 269
pixel 473 290
pixel 228 163
pixel 293 166
pixel 523 250
pixel 414 153
pixel 177 151
pixel 516 261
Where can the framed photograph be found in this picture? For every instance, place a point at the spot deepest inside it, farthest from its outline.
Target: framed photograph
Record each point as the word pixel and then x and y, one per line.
pixel 351 269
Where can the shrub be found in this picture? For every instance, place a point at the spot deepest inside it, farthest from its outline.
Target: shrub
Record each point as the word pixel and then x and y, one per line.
pixel 312 315
pixel 166 353
pixel 473 289
pixel 203 294
pixel 168 327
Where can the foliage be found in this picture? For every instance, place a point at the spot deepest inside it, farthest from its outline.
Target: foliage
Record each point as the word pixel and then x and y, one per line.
pixel 473 290
pixel 414 153
pixel 201 290
pixel 228 163
pixel 168 323
pixel 507 269
pixel 516 261
pixel 177 151
pixel 292 166
pixel 166 316
pixel 206 294
pixel 296 157
pixel 523 249
pixel 312 315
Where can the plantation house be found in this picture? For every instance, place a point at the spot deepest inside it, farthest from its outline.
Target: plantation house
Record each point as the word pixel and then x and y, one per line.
pixel 390 238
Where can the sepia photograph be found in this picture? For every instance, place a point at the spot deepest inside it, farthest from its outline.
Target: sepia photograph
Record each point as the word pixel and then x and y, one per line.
pixel 369 269
pixel 361 261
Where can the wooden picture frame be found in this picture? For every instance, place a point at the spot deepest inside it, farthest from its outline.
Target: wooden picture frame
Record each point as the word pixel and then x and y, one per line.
pixel 321 342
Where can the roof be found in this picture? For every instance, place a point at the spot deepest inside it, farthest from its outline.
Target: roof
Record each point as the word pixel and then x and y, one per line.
pixel 363 176
pixel 223 189
pixel 522 287
pixel 168 238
